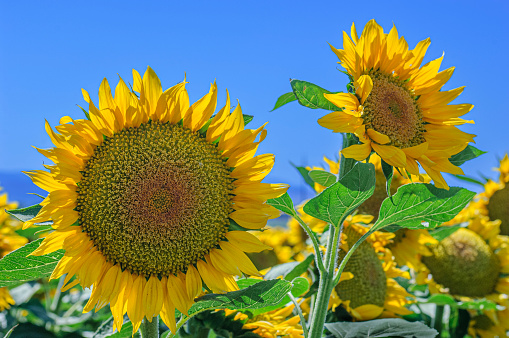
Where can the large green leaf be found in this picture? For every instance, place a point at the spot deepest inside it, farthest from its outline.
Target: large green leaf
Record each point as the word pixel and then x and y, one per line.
pixel 390 327
pixel 323 177
pixel 259 295
pixel 344 196
pixel 106 330
pixel 283 203
pixel 469 153
pixel 311 95
pixel 26 214
pixel 299 286
pixel 16 268
pixel 284 99
pixel 422 206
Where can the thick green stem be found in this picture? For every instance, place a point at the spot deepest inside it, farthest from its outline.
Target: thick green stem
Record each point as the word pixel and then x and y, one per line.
pixel 439 316
pixel 150 329
pixel 325 285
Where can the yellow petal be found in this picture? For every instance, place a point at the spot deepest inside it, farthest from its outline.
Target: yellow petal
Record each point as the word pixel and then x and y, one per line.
pixel 193 282
pixel 392 155
pixel 363 87
pixel 357 151
pixel 378 137
pixel 239 258
pixel 201 110
pixel 344 100
pixel 246 242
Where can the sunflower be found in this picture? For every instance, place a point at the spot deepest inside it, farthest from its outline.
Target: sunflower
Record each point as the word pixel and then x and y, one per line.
pixel 488 326
pixel 398 109
pixel 471 263
pixel 272 324
pixel 145 193
pixel 494 200
pixel 9 241
pixel 372 292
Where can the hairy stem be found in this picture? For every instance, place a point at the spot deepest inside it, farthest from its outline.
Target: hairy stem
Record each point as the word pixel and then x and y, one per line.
pixel 150 329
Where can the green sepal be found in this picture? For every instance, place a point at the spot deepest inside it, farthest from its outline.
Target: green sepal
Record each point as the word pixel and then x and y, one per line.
pixel 422 206
pixel 247 119
pixel 284 99
pixel 311 96
pixel 17 267
pixel 467 154
pixel 339 200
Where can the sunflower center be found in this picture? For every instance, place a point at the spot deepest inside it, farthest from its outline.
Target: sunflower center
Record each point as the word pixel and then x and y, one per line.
pixel 464 264
pixel 155 199
pixel 392 110
pixel 369 284
pixel 498 208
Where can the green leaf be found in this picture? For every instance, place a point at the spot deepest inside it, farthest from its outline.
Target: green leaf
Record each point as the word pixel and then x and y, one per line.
pixel 290 270
pixel 467 154
pixel 311 95
pixel 323 177
pixel 422 206
pixel 247 119
pixel 390 327
pixel 284 99
pixel 16 268
pixel 259 295
pixel 388 171
pixel 343 197
pixel 8 334
pixel 469 179
pixel 479 305
pixel 443 232
pixel 283 203
pixel 106 330
pixel 26 214
pixel 299 286
pixel 440 299
pixel 304 173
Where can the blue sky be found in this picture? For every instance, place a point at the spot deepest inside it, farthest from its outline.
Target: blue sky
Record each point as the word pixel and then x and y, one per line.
pixel 50 50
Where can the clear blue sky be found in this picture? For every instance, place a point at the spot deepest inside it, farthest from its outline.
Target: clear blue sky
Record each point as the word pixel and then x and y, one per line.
pixel 50 50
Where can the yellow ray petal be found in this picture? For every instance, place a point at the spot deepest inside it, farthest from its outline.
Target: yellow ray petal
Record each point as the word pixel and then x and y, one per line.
pixel 246 242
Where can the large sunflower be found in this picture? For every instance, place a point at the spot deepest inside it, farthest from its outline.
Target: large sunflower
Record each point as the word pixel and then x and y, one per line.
pixel 9 241
pixel 143 195
pixel 397 109
pixel 471 263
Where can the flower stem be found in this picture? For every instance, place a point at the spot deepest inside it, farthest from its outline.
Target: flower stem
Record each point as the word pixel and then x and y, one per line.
pixel 150 329
pixel 439 315
pixel 301 315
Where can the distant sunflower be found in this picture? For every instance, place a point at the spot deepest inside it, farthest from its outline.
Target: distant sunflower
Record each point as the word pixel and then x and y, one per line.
pixel 471 263
pixel 372 292
pixel 398 110
pixel 489 326
pixel 9 241
pixel 142 195
pixel 272 324
pixel 494 201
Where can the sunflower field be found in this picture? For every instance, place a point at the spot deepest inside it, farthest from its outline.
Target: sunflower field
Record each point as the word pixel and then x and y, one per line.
pixel 157 219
